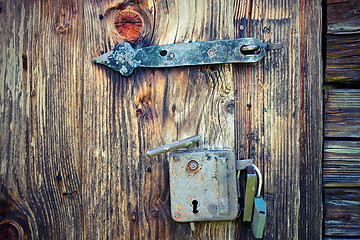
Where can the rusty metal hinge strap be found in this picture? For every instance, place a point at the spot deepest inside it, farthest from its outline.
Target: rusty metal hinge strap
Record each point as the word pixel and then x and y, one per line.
pixel 125 59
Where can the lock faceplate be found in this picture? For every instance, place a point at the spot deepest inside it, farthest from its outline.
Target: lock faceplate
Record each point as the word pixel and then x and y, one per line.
pixel 203 186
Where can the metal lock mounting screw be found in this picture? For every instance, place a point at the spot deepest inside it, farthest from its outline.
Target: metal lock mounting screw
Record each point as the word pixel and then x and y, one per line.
pixel 193 165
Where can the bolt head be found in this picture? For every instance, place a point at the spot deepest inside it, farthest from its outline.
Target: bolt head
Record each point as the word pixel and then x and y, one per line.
pixel 177 215
pixel 193 165
pixel 211 53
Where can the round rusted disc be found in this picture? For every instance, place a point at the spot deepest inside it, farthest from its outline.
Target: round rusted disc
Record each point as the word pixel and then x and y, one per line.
pixel 129 25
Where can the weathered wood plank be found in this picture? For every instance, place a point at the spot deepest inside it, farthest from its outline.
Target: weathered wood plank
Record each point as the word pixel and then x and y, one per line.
pixel 75 133
pixel 310 122
pixel 153 107
pixel 343 16
pixel 279 114
pixel 342 215
pixel 342 113
pixel 341 164
pixel 342 238
pixel 41 117
pixel 342 58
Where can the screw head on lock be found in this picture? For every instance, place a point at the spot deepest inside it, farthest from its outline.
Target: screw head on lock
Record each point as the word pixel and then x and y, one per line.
pixel 193 165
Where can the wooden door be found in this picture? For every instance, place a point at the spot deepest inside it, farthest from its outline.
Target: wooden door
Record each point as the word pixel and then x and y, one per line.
pixel 74 134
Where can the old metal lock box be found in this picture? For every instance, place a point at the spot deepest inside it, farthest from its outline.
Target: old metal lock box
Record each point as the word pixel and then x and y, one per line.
pixel 203 186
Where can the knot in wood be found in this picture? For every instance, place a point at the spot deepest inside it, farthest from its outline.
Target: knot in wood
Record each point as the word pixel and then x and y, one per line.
pixel 129 24
pixel 62 29
pixel 10 230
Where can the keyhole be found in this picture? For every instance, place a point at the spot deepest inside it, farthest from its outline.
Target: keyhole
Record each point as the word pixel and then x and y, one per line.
pixel 195 205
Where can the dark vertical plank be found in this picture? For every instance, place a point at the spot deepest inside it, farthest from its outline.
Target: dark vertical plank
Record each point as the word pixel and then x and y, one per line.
pixel 249 99
pixel 280 113
pixel 311 120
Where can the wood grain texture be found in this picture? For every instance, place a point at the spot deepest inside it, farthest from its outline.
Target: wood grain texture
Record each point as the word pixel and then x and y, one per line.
pixel 341 238
pixel 342 214
pixel 41 112
pixel 74 134
pixel 342 58
pixel 341 164
pixel 279 118
pixel 311 121
pixel 343 16
pixel 342 113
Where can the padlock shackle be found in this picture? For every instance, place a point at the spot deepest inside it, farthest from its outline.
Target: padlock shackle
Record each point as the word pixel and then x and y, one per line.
pixel 260 180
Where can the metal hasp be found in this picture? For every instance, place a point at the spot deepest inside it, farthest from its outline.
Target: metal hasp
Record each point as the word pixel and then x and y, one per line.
pixel 203 186
pixel 124 59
